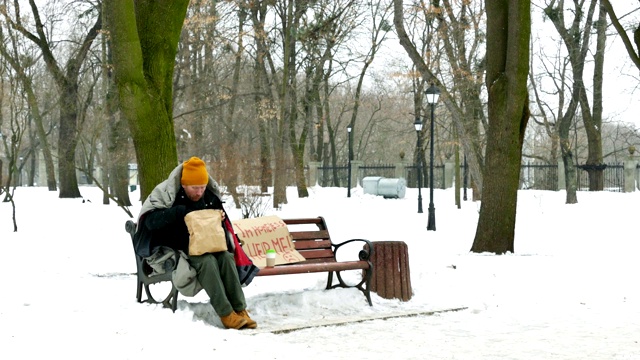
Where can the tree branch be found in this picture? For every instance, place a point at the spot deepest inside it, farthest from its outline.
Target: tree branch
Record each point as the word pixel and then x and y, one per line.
pixel 622 32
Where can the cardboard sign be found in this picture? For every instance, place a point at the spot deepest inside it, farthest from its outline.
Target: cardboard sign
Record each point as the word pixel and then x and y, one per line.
pixel 264 233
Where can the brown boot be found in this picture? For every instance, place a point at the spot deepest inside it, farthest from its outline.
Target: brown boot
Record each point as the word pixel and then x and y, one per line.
pixel 233 321
pixel 251 324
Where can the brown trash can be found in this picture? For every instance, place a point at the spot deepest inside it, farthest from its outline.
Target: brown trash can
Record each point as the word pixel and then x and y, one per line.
pixel 391 278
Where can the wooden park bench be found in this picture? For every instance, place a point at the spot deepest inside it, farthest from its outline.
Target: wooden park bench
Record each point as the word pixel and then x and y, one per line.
pixel 315 245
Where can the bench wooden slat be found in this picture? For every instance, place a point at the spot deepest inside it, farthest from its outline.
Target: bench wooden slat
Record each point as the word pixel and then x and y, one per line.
pixel 309 235
pixel 318 221
pixel 307 267
pixel 317 254
pixel 316 260
pixel 312 244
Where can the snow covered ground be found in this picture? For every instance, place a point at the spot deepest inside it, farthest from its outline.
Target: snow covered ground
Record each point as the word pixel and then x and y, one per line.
pixel 570 291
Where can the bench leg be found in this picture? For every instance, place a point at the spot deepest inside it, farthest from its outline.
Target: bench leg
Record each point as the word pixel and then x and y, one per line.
pixel 173 299
pixel 367 283
pixel 362 286
pixel 330 281
pixel 139 291
pixel 150 298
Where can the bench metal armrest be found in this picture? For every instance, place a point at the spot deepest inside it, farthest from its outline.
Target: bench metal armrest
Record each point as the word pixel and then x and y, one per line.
pixel 364 254
pixel 169 265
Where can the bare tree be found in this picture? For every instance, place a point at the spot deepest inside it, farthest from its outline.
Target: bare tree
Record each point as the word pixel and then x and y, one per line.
pixel 576 38
pixel 380 27
pixel 475 162
pixel 265 98
pixel 461 34
pixel 634 52
pixel 14 56
pixel 12 143
pixel 66 78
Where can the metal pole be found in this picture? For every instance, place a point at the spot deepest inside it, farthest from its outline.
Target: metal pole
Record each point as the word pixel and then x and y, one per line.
pixel 349 169
pixel 466 174
pixel 419 174
pixel 20 171
pixel 431 224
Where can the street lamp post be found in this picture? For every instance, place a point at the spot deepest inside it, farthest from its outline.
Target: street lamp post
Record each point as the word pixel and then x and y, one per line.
pixel 466 173
pixel 20 171
pixel 418 125
pixel 432 93
pixel 349 169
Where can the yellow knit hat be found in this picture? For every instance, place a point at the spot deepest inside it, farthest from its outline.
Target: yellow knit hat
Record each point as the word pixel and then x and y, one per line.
pixel 194 172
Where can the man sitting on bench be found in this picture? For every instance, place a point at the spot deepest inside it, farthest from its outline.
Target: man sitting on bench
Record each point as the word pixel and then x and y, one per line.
pixel 161 223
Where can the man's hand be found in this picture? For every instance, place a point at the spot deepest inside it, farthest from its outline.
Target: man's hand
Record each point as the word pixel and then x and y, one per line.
pixel 181 211
pixel 161 218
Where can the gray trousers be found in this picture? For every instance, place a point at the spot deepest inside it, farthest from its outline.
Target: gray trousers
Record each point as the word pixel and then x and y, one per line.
pixel 218 276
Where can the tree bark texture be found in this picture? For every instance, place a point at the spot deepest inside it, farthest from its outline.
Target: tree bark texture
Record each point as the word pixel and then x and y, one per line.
pixel 118 145
pixel 288 112
pixel 264 102
pixel 593 123
pixel 144 35
pixel 509 29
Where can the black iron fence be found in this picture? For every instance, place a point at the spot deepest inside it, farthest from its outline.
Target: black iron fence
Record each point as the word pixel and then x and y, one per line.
pixel 533 176
pixel 384 170
pixel 326 175
pixel 613 177
pixel 538 177
pixel 545 177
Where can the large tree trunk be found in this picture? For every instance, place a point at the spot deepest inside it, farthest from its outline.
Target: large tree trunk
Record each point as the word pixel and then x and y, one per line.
pixel 117 158
pixel 287 101
pixel 570 169
pixel 67 141
pixel 264 102
pixel 145 35
pixel 509 28
pixel 233 162
pixel 593 123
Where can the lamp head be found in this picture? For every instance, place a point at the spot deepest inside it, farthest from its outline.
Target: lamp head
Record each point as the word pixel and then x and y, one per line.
pixel 433 94
pixel 418 124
